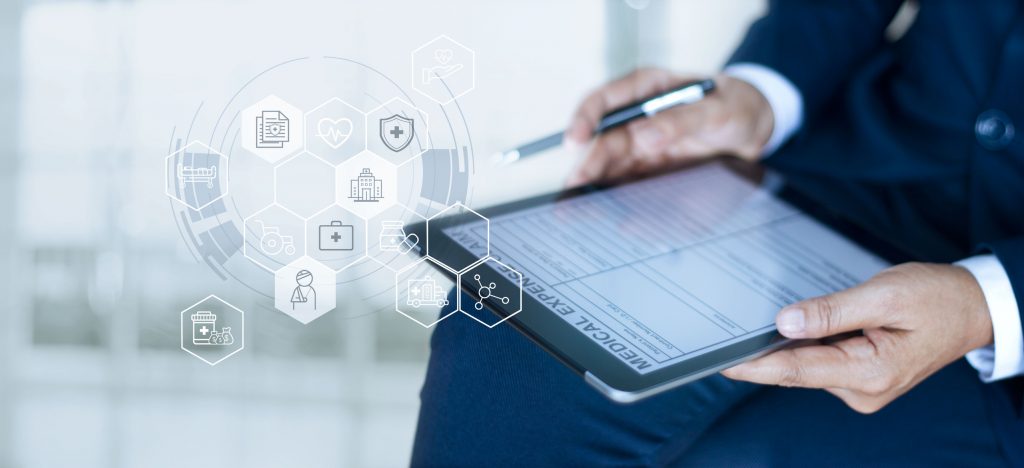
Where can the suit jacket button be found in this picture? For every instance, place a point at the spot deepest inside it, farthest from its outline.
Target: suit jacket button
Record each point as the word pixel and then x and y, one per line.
pixel 993 129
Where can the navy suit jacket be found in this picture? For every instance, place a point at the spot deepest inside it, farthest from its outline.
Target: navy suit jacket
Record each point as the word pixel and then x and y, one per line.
pixel 921 137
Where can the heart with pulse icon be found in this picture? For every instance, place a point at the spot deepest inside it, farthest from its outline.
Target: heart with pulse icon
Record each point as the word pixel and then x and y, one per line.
pixel 443 56
pixel 334 132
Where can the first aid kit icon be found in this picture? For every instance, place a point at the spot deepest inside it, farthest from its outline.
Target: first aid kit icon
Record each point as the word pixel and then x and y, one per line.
pixel 337 236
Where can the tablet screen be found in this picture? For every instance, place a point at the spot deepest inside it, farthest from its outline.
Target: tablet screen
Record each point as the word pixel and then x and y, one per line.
pixel 671 267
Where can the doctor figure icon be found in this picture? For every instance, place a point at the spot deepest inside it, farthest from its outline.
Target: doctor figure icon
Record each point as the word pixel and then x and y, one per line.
pixel 304 295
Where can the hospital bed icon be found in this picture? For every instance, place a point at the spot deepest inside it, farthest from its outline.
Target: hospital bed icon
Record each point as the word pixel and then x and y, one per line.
pixel 197 175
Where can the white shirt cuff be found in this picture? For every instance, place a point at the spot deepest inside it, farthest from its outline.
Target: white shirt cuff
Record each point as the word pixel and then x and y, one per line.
pixel 1006 357
pixel 785 100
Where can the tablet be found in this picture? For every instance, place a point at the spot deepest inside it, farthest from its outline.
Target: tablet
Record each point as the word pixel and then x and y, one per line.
pixel 645 285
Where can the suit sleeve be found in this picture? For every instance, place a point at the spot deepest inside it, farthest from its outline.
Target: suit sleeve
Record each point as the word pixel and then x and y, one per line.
pixel 816 44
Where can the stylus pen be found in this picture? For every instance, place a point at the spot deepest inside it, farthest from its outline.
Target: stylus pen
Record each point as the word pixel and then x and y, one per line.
pixel 688 93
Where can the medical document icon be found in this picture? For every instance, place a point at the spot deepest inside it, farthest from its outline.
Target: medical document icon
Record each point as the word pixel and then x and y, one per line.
pixel 396 132
pixel 334 132
pixel 304 295
pixel 425 291
pixel 337 236
pixel 366 188
pixel 394 239
pixel 272 242
pixel 272 129
pixel 197 175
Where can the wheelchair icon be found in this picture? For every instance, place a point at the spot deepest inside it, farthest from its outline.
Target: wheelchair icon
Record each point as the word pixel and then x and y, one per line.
pixel 272 242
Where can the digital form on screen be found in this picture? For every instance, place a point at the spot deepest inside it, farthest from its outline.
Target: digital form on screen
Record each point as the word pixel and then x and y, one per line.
pixel 674 266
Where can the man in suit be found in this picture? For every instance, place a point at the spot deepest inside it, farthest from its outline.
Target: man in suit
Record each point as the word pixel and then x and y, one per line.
pixel 915 138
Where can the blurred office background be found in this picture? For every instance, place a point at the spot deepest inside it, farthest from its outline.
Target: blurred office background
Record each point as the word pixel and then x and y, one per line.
pixel 93 271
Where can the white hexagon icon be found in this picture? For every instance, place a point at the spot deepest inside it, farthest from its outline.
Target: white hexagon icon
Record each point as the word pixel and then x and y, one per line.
pixel 273 237
pixel 336 237
pixel 397 131
pixel 390 243
pixel 422 293
pixel 196 175
pixel 367 184
pixel 443 69
pixel 304 184
pixel 460 222
pixel 212 330
pixel 496 287
pixel 305 290
pixel 335 131
pixel 272 129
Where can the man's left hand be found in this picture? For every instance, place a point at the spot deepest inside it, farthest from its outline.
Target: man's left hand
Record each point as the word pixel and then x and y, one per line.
pixel 907 322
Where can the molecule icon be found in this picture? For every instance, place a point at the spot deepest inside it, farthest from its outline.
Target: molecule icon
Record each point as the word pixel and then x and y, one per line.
pixel 486 292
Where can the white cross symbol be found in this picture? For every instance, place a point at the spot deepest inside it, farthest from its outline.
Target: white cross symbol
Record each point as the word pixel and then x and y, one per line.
pixel 204 330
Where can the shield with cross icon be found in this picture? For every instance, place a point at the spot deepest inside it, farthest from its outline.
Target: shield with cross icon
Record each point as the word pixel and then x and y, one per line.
pixel 396 132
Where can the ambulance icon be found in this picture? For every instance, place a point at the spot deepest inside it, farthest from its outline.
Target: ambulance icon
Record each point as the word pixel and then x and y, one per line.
pixel 425 291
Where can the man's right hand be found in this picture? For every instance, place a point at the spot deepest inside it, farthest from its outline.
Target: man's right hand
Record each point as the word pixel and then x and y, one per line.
pixel 734 119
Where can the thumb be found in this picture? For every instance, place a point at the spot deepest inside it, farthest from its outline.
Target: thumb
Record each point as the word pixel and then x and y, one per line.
pixel 841 312
pixel 652 136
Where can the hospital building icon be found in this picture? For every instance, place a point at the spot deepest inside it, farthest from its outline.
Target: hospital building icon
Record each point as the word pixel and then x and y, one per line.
pixel 365 187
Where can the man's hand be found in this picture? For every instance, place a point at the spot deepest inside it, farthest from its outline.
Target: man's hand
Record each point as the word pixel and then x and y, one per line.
pixel 734 119
pixel 915 319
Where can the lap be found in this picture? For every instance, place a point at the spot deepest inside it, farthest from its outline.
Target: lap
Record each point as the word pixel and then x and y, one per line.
pixel 492 397
pixel 941 422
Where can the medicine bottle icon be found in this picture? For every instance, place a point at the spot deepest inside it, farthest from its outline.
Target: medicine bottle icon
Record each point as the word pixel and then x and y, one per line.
pixel 394 239
pixel 204 323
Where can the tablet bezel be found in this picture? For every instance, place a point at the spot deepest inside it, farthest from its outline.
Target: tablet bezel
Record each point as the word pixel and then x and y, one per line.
pixel 601 369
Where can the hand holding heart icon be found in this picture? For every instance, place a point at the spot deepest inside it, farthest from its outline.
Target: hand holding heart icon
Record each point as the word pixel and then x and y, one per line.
pixel 443 56
pixel 334 132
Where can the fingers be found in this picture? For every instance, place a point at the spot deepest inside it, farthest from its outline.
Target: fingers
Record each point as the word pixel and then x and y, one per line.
pixel 851 369
pixel 611 153
pixel 863 306
pixel 811 367
pixel 606 157
pixel 664 132
pixel 641 83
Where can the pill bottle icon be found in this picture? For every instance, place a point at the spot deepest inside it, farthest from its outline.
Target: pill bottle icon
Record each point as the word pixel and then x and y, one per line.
pixel 204 323
pixel 394 239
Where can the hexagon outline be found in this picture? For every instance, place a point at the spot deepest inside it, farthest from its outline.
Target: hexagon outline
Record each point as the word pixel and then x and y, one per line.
pixel 333 282
pixel 366 239
pixel 287 155
pixel 305 142
pixel 439 319
pixel 182 331
pixel 412 63
pixel 487 243
pixel 288 160
pixel 223 173
pixel 245 231
pixel 366 127
pixel 338 187
pixel 480 263
pixel 414 213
